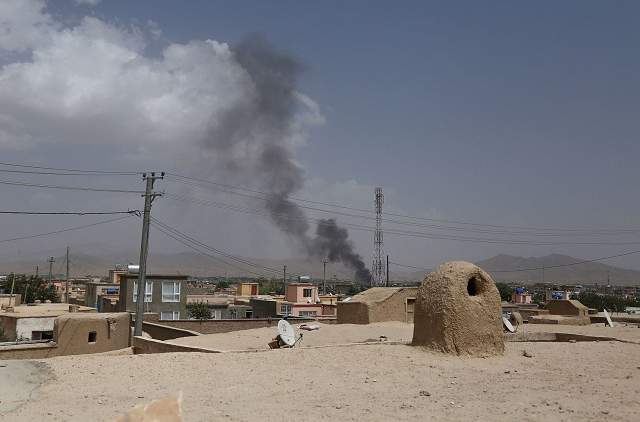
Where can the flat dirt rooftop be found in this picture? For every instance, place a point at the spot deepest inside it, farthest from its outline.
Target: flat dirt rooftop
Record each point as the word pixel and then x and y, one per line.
pixel 561 381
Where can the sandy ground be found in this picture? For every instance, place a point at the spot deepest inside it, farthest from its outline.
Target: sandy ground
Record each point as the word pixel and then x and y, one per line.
pixel 328 334
pixel 561 381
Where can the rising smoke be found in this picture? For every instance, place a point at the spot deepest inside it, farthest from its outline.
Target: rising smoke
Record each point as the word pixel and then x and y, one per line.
pixel 250 139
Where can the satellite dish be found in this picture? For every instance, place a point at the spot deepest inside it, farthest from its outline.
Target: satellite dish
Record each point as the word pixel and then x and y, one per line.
pixel 508 325
pixel 286 332
pixel 606 315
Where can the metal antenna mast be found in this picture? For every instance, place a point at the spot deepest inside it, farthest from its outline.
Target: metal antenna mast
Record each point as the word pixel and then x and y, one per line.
pixel 378 268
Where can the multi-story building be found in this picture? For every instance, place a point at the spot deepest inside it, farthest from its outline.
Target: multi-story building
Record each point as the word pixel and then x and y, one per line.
pixel 164 294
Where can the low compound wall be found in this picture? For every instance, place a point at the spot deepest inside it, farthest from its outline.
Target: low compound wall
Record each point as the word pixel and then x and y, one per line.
pixel 526 336
pixel 29 351
pixel 143 345
pixel 165 332
pixel 217 326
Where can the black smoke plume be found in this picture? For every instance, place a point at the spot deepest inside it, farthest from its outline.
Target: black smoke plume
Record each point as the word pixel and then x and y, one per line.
pixel 250 144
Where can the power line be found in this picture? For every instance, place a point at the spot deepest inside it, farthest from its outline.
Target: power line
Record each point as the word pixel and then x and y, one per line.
pixel 135 212
pixel 36 185
pixel 95 172
pixel 65 230
pixel 565 265
pixel 205 184
pixel 204 253
pixel 409 266
pixel 211 185
pixel 392 231
pixel 205 246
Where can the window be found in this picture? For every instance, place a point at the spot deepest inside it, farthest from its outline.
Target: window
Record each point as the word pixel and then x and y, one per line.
pixel 92 337
pixel 233 314
pixel 308 313
pixel 171 291
pixel 42 335
pixel 285 309
pixel 147 294
pixel 306 293
pixel 169 315
pixel 215 314
pixel 248 314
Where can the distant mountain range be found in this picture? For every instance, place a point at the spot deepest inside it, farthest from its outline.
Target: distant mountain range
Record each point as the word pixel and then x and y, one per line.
pixel 557 269
pixel 97 259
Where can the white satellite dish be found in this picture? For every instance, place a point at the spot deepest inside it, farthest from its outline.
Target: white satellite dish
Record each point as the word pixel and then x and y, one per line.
pixel 606 315
pixel 286 332
pixel 507 325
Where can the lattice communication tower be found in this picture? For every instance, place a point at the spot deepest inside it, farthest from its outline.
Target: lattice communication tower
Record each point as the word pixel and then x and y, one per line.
pixel 378 268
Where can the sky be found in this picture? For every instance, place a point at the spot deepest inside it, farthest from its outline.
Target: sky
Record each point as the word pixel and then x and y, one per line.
pixel 504 116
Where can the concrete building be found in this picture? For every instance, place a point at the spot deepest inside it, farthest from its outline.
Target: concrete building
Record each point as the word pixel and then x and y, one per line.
pixel 93 291
pixel 521 298
pixel 248 289
pixel 221 307
pixel 379 304
pixel 300 299
pixel 34 322
pixel 164 294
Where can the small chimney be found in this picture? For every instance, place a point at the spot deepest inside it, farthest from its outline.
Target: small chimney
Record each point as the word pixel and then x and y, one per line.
pixel 9 309
pixel 73 308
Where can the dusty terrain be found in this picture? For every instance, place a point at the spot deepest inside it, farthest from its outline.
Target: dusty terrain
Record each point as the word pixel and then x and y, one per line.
pixel 561 381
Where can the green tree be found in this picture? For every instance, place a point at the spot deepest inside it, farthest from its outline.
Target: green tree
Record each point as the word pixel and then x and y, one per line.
pixel 273 285
pixel 222 285
pixel 505 291
pixel 198 310
pixel 31 288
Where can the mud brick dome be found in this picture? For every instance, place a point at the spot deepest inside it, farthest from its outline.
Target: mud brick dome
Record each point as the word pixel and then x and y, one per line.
pixel 458 311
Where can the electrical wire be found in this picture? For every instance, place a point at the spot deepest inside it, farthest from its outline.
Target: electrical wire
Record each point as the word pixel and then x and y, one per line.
pixel 387 231
pixel 95 172
pixel 65 230
pixel 36 185
pixel 209 185
pixel 205 246
pixel 136 212
pixel 440 227
pixel 206 184
pixel 204 253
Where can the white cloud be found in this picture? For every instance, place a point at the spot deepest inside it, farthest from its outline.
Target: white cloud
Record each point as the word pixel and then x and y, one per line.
pixel 155 30
pixel 92 84
pixel 23 25
pixel 89 2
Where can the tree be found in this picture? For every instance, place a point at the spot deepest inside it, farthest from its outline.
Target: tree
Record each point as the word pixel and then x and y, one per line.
pixel 198 310
pixel 505 291
pixel 31 288
pixel 222 285
pixel 274 285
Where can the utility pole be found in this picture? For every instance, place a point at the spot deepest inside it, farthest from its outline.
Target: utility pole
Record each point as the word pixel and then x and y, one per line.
pixel 284 278
pixel 13 279
pixel 324 278
pixel 37 271
pixel 66 284
pixel 387 271
pixel 149 196
pixel 50 261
